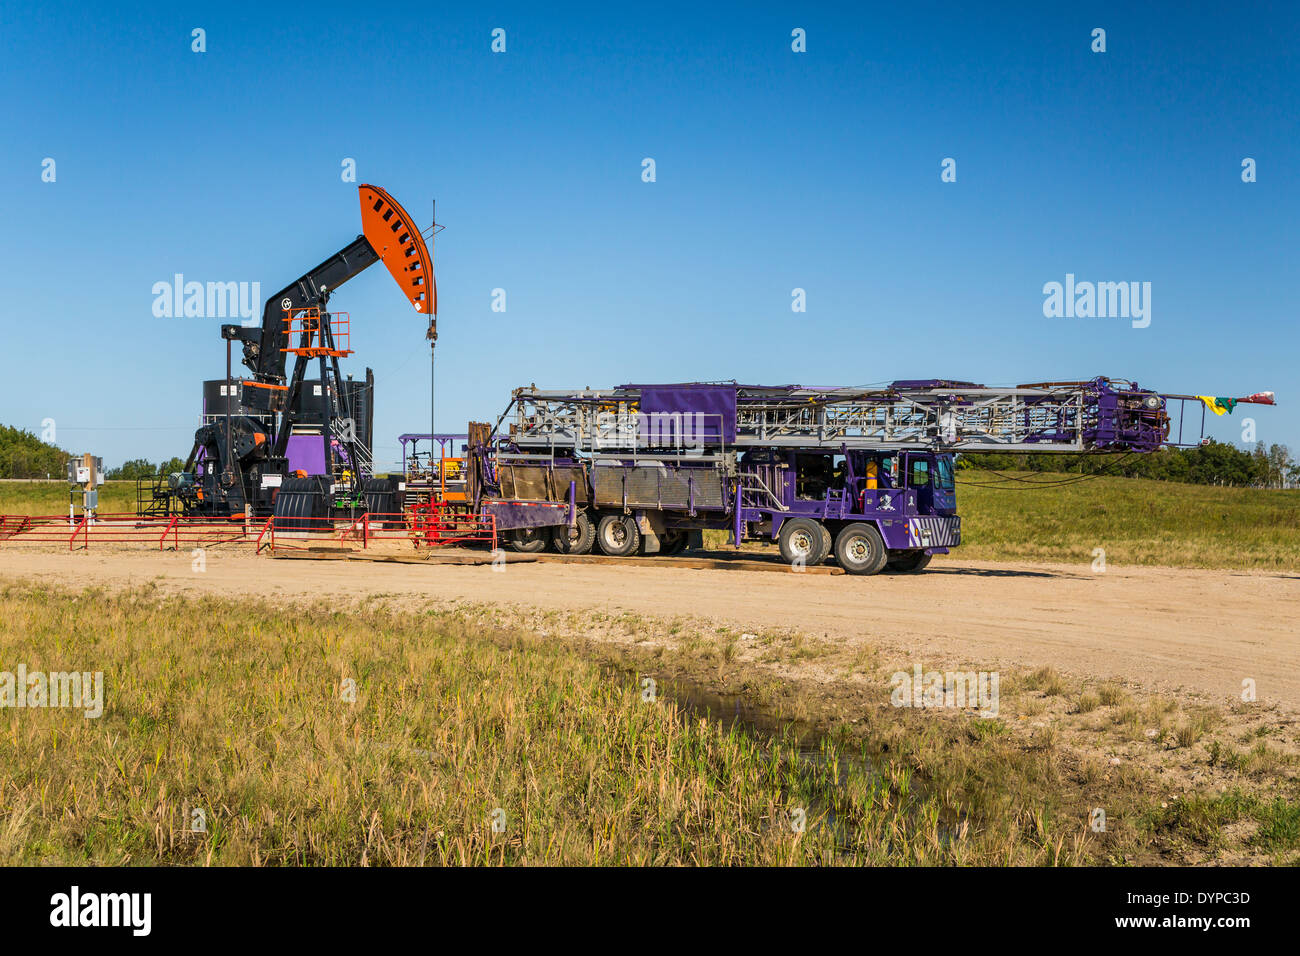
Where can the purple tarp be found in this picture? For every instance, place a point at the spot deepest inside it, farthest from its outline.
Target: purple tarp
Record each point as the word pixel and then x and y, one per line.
pixel 716 403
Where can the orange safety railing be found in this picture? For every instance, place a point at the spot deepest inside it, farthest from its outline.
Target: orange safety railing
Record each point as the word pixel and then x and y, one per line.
pixel 306 329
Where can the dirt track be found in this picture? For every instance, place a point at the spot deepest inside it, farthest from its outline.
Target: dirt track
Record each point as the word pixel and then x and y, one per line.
pixel 1174 630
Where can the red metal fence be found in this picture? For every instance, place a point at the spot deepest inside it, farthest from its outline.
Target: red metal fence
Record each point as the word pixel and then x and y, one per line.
pixel 422 528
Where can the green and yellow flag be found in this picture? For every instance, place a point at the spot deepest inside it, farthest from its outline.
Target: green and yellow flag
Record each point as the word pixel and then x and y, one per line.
pixel 1218 405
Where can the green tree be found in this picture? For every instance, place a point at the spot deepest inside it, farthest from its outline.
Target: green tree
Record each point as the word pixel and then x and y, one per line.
pixel 23 455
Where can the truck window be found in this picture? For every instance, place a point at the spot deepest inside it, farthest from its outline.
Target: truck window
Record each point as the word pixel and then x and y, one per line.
pixel 943 474
pixel 920 473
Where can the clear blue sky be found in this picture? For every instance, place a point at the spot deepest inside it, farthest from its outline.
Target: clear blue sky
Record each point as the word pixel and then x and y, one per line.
pixel 775 170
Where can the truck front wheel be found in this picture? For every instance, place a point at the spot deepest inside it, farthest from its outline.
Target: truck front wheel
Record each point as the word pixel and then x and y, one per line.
pixel 860 550
pixel 803 540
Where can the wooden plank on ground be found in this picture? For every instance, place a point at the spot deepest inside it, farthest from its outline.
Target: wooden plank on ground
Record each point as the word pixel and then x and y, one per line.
pixel 465 556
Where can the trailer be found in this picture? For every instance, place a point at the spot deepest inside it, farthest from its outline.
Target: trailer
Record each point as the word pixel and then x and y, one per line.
pixel 865 474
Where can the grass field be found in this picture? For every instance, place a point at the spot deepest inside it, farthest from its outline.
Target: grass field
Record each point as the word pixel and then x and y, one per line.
pixel 374 736
pixel 1136 521
pixel 51 497
pixel 246 714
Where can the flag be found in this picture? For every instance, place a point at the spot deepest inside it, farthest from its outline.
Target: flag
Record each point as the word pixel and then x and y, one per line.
pixel 1218 405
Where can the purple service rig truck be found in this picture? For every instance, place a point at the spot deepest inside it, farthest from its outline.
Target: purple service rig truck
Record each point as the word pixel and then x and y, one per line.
pixel 865 474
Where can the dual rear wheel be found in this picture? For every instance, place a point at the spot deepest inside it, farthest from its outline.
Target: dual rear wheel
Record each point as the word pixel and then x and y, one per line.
pixel 613 534
pixel 858 547
pixel 618 536
pixel 576 540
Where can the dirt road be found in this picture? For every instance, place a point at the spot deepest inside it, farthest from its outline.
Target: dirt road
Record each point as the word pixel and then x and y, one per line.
pixel 1171 630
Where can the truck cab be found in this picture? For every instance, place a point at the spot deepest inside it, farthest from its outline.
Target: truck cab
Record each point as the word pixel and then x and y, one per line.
pixel 931 489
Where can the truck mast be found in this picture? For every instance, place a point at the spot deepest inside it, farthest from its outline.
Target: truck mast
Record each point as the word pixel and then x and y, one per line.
pixel 867 473
pixel 239 463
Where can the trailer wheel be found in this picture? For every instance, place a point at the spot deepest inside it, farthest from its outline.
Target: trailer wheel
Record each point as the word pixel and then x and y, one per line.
pixel 802 539
pixel 909 563
pixel 526 540
pixel 860 549
pixel 618 536
pixel 575 540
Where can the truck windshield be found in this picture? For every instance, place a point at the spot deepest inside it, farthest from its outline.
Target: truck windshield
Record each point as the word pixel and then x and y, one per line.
pixel 943 473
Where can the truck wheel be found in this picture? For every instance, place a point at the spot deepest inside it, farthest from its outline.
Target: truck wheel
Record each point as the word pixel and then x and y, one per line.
pixel 526 540
pixel 909 563
pixel 575 540
pixel 802 539
pixel 860 550
pixel 618 536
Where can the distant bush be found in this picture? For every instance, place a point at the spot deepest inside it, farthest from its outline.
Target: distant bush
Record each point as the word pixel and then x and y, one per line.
pixel 23 455
pixel 142 468
pixel 1215 463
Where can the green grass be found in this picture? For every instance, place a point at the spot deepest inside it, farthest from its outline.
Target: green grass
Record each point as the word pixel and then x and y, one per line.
pixel 51 497
pixel 1136 521
pixel 1201 820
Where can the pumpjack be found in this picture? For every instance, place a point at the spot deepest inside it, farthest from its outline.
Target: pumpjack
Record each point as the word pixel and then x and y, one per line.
pixel 239 464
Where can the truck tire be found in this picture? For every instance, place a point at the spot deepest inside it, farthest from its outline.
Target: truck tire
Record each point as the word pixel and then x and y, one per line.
pixel 860 550
pixel 526 540
pixel 909 562
pixel 575 540
pixel 618 536
pixel 802 539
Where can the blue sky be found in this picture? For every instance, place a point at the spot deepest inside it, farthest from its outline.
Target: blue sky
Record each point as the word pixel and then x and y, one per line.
pixel 775 170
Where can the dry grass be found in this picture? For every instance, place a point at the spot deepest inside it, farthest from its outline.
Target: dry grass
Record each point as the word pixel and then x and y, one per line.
pixel 240 711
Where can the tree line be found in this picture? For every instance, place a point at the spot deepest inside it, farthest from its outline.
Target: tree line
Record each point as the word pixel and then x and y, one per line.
pixel 24 455
pixel 1214 463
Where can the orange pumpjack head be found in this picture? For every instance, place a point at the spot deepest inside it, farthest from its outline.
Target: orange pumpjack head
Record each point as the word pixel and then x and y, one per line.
pixel 397 241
